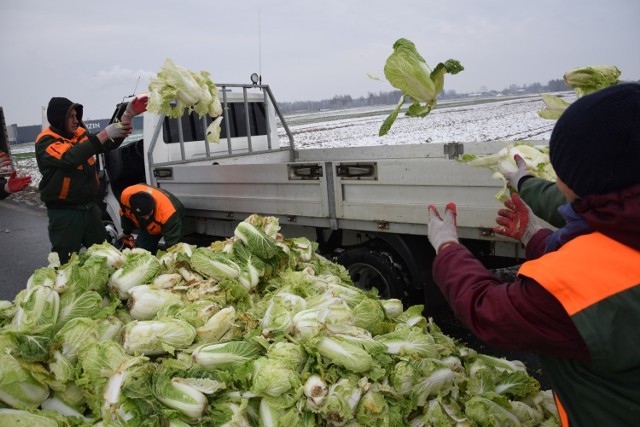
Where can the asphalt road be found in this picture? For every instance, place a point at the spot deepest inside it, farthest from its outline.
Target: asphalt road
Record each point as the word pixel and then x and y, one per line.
pixel 24 245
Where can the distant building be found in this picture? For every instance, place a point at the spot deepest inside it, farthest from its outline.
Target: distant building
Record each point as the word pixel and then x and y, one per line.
pixel 24 134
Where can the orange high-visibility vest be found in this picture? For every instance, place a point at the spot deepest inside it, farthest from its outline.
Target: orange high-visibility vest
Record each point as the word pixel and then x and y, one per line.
pixel 597 281
pixel 161 214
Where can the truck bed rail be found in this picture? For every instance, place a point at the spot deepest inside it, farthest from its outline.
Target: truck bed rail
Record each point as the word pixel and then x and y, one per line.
pixel 232 149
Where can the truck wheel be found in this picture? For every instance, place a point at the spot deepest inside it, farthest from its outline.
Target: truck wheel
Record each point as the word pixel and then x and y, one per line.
pixel 112 234
pixel 371 266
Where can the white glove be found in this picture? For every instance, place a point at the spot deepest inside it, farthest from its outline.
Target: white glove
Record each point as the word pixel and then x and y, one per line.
pixel 514 177
pixel 441 230
pixel 118 130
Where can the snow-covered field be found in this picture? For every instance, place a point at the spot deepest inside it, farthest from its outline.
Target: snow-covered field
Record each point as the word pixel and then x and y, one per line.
pixel 474 120
pixel 470 120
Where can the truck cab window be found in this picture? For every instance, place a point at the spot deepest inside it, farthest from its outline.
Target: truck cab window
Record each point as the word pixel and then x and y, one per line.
pixel 193 127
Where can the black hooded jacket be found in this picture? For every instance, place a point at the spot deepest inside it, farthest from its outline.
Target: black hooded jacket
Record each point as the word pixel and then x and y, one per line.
pixel 67 160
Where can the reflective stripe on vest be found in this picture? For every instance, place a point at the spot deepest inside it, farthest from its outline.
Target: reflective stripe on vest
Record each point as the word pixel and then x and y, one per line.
pixel 607 266
pixel 583 272
pixel 62 145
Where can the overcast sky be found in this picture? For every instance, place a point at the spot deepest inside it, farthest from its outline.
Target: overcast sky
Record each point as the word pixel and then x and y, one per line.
pixel 93 52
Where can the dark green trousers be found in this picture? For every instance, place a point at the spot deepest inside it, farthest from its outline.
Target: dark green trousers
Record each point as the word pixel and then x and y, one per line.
pixel 70 229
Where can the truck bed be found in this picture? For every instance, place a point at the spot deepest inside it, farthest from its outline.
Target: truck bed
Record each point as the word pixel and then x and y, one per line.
pixel 397 184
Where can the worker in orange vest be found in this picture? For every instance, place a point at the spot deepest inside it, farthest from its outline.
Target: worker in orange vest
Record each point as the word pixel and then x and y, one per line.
pixel 576 300
pixel 66 156
pixel 154 212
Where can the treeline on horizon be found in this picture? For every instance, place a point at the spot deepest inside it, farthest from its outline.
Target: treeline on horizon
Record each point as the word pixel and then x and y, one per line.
pixel 392 97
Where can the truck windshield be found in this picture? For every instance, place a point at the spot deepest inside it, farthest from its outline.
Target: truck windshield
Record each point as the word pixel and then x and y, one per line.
pixel 193 127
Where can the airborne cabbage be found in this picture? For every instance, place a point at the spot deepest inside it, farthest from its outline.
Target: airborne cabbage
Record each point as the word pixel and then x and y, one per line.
pixel 407 70
pixel 584 81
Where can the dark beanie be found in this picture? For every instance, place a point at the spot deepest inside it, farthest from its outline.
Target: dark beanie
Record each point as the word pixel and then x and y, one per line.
pixel 58 110
pixel 595 144
pixel 142 203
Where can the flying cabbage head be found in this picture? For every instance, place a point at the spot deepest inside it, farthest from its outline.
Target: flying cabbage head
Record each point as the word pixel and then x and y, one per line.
pixel 407 70
pixel 590 79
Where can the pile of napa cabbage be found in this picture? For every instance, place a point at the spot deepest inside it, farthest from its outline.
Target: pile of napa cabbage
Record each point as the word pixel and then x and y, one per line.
pixel 252 330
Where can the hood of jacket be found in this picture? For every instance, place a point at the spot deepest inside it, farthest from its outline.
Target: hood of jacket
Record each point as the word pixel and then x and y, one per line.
pixel 616 214
pixel 57 112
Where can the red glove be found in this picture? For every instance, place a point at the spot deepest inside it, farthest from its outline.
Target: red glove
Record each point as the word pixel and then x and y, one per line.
pixel 517 221
pixel 137 105
pixel 4 159
pixel 16 183
pixel 127 240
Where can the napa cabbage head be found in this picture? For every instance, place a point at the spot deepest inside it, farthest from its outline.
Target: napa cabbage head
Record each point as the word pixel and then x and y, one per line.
pixel 19 417
pixel 38 309
pixel 139 268
pixel 45 276
pixel 145 301
pixel 409 341
pixel 258 241
pixel 154 337
pixel 79 304
pixel 272 377
pixel 289 353
pixel 175 91
pixel 536 157
pixel 214 265
pixel 343 353
pixel 18 387
pixel 217 326
pixel 407 70
pixel 227 353
pixel 114 257
pixel 491 409
pixel 586 80
pixel 180 395
pixel 66 344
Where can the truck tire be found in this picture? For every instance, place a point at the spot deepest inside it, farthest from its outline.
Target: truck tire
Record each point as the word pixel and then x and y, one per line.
pixel 112 234
pixel 373 266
